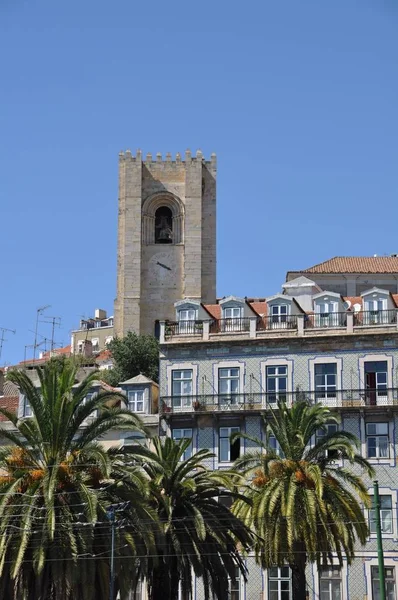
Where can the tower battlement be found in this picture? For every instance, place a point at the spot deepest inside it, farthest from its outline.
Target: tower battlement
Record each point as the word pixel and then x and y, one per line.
pixel 150 159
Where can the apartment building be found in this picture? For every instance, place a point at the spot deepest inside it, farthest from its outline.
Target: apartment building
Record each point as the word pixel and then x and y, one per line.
pixel 93 335
pixel 223 365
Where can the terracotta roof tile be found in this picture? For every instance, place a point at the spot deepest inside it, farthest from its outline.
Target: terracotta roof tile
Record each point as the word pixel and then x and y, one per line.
pixel 214 310
pixel 355 264
pixel 10 403
pixel 261 308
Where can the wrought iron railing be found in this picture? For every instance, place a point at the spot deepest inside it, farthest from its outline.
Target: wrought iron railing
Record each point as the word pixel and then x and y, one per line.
pixel 173 328
pixel 273 322
pixel 325 320
pixel 266 400
pixel 231 325
pixel 368 318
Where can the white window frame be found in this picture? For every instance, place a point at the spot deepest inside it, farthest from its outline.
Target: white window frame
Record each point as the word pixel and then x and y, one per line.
pixel 278 318
pixel 184 366
pixel 238 580
pixel 87 397
pixel 333 401
pixel 387 399
pixel 232 318
pixel 95 344
pixel 133 401
pixel 388 564
pixel 274 444
pixel 378 458
pixel 277 362
pixel 374 311
pixel 277 394
pixel 228 364
pixel 179 433
pixel 187 314
pixel 230 397
pixel 231 429
pixel 318 437
pixel 385 491
pixel 108 339
pixel 182 401
pixel 279 579
pixel 80 346
pixel 343 578
pixel 325 313
pixel 27 411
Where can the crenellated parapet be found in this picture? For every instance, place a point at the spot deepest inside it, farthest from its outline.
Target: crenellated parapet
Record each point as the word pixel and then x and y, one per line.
pixel 168 160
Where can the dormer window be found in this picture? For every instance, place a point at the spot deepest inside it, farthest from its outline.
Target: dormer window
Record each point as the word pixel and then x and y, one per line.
pixel 279 314
pixel 188 314
pixel 326 313
pixel 232 320
pixel 375 311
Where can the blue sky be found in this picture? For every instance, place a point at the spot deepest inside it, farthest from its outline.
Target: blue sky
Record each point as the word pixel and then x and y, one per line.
pixel 297 98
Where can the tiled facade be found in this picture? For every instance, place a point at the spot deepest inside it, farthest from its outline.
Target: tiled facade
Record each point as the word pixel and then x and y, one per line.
pixel 353 372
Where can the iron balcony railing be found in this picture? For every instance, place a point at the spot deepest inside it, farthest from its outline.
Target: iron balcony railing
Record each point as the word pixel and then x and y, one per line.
pixel 266 400
pixel 328 320
pixel 183 328
pixel 375 317
pixel 231 325
pixel 277 322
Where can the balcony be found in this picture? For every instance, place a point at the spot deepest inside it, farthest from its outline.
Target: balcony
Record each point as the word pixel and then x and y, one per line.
pixel 276 326
pixel 257 402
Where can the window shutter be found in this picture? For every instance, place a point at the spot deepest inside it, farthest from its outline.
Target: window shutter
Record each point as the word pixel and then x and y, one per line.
pixel 21 405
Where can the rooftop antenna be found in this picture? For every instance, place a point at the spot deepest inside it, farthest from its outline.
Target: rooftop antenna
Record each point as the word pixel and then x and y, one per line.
pixel 2 338
pixel 55 322
pixel 39 312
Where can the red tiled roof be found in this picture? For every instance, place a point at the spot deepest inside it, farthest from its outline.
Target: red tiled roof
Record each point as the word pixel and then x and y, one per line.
pixel 214 310
pixel 10 403
pixel 261 308
pixel 104 355
pixel 355 264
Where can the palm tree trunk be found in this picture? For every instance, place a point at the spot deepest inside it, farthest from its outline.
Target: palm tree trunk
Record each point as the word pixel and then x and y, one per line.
pixel 298 581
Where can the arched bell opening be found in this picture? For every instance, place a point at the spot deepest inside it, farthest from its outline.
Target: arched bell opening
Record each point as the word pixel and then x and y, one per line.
pixel 163 225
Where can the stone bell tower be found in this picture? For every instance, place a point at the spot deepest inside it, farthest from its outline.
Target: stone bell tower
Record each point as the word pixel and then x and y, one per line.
pixel 166 237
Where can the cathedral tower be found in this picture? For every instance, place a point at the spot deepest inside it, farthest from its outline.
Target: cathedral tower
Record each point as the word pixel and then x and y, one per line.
pixel 166 237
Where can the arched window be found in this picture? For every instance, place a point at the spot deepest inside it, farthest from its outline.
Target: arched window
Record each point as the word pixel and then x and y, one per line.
pixel 163 225
pixel 162 219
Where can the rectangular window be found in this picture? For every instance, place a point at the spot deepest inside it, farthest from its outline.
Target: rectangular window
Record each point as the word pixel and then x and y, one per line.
pixel 182 389
pixel 134 438
pixel 330 583
pixel 232 319
pixel 186 320
pixel 325 380
pixel 326 314
pixel 321 433
pixel 234 586
pixel 228 451
pixel 377 441
pixel 136 400
pixel 375 381
pixel 89 397
pixel 228 385
pixel 279 314
pixel 375 312
pixel 385 515
pixel 276 384
pixel 389 575
pixel 180 434
pixel 279 583
pixel 26 408
pixel 226 501
pixel 274 445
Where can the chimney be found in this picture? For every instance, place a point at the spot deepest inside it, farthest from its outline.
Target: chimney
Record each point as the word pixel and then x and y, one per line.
pixel 100 313
pixel 87 349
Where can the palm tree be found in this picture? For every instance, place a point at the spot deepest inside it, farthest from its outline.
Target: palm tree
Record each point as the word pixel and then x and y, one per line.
pixel 56 485
pixel 304 507
pixel 200 535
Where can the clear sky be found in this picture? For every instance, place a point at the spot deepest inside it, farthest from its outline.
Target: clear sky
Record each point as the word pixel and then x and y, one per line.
pixel 298 98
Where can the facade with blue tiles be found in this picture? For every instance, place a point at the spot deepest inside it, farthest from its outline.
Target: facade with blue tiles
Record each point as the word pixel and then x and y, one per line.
pixel 221 374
